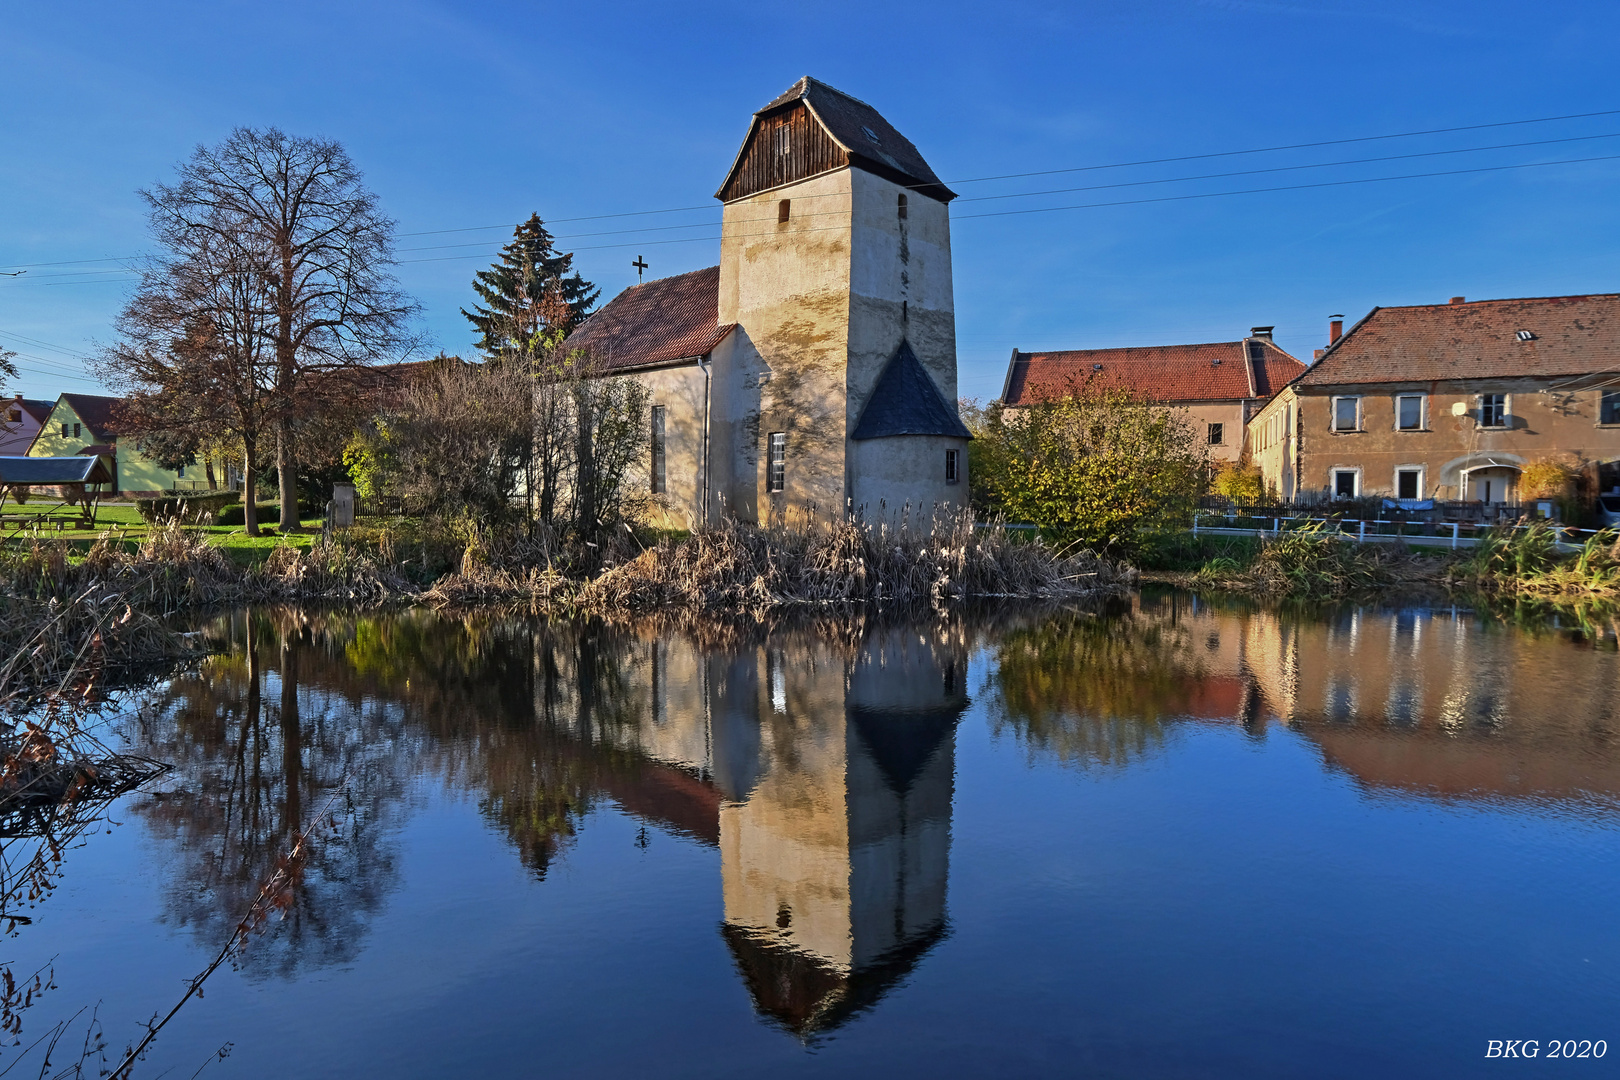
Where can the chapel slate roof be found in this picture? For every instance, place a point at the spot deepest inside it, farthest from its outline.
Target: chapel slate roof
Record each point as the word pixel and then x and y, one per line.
pixel 906 401
pixel 1572 335
pixel 848 119
pixel 1253 369
pixel 673 318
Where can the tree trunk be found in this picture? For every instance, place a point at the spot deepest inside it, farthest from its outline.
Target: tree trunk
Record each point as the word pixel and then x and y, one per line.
pixel 208 467
pixel 287 476
pixel 292 741
pixel 250 494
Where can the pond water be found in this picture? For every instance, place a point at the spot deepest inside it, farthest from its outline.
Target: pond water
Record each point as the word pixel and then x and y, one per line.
pixel 1166 839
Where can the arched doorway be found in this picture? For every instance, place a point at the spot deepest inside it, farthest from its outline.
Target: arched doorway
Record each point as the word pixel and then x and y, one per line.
pixel 1493 485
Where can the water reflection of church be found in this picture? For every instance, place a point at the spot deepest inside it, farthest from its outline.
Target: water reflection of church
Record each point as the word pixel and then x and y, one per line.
pixel 834 768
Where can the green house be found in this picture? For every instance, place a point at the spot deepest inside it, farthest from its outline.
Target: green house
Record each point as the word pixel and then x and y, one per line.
pixel 80 422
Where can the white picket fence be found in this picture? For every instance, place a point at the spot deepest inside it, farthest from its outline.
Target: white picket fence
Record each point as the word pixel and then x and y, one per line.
pixel 1372 530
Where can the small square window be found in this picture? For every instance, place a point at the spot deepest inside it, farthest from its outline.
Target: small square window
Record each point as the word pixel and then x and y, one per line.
pixel 1493 410
pixel 1609 410
pixel 1216 433
pixel 1346 413
pixel 1409 484
pixel 1344 483
pixel 951 474
pixel 776 462
pixel 1409 413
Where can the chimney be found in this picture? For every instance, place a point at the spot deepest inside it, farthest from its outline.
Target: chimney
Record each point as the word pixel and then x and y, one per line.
pixel 1319 353
pixel 1458 300
pixel 1335 328
pixel 1262 332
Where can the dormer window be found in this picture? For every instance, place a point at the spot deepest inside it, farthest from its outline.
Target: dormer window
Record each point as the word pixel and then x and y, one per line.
pixel 870 134
pixel 1525 335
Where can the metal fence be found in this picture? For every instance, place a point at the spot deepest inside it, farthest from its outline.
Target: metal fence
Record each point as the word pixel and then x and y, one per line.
pixel 1418 533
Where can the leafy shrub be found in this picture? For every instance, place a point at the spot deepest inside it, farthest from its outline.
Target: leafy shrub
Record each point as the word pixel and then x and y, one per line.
pixel 188 508
pixel 269 513
pixel 1239 482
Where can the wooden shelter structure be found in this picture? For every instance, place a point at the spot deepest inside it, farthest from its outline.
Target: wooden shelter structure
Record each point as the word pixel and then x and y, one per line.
pixel 78 481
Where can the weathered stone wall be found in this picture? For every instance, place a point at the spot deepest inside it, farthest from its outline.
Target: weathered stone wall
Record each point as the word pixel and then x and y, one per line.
pixel 787 285
pixel 1540 425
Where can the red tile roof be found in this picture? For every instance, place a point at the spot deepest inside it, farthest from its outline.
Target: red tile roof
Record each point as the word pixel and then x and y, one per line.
pixel 1572 335
pixel 673 318
pixel 1219 371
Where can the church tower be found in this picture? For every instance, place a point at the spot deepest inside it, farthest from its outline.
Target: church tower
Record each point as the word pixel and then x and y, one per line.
pixel 835 268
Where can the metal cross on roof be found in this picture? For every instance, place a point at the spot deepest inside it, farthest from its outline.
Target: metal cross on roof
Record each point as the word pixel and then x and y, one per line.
pixel 641 265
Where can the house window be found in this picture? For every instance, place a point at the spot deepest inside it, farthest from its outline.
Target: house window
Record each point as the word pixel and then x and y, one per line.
pixel 902 206
pixel 1493 410
pixel 180 473
pixel 658 450
pixel 776 462
pixel 76 431
pixel 15 416
pixel 783 208
pixel 784 141
pixel 1409 483
pixel 951 474
pixel 1346 483
pixel 1609 408
pixel 1216 432
pixel 1409 412
pixel 65 430
pixel 1346 414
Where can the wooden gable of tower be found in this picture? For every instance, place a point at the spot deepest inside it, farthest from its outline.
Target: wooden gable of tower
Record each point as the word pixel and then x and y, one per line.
pixel 783 148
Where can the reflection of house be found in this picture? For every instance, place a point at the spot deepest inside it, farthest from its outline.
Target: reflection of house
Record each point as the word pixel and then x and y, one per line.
pixel 835 776
pixel 1449 401
pixel 1426 702
pixel 814 370
pixel 1220 385
pixel 22 421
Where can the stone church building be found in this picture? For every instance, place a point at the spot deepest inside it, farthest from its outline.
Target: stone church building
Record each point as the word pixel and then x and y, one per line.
pixel 812 374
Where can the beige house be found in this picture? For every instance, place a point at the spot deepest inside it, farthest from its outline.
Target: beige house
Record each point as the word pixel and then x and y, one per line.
pixel 88 423
pixel 1220 385
pixel 1450 401
pixel 813 372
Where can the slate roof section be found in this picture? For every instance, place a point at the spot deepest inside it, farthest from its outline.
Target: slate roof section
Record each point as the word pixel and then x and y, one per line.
pixel 657 322
pixel 848 119
pixel 1252 369
pixel 74 469
pixel 905 401
pixel 1572 336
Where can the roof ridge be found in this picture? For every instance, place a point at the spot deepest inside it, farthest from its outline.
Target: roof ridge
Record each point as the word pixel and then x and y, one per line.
pixel 1501 300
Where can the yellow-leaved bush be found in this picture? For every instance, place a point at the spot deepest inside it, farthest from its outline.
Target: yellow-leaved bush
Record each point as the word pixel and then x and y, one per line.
pixel 1096 466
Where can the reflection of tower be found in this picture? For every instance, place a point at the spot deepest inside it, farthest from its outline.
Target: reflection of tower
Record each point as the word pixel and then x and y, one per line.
pixel 835 860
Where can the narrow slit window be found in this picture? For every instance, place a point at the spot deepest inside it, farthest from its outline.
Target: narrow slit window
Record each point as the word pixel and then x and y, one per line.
pixel 783 209
pixel 952 475
pixel 776 462
pixel 658 474
pixel 902 207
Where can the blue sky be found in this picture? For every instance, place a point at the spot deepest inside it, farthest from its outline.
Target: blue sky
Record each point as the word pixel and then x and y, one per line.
pixel 470 116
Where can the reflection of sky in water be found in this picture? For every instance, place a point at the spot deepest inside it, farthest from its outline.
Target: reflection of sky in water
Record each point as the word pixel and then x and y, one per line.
pixel 1172 838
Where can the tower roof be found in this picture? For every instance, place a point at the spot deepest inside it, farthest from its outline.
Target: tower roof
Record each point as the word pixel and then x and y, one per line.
pixel 866 140
pixel 905 401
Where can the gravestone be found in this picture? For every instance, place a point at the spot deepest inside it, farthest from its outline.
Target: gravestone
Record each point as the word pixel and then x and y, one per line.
pixel 342 515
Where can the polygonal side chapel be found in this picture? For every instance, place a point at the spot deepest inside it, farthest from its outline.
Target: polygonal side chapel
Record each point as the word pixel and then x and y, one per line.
pixel 812 374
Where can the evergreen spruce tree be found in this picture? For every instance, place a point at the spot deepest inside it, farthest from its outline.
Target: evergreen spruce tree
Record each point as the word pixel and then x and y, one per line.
pixel 534 296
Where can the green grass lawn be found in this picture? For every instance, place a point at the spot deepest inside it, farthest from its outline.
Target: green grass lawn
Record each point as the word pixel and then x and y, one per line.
pixel 123 521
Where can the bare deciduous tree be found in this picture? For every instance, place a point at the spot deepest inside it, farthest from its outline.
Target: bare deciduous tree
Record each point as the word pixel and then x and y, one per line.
pixel 321 252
